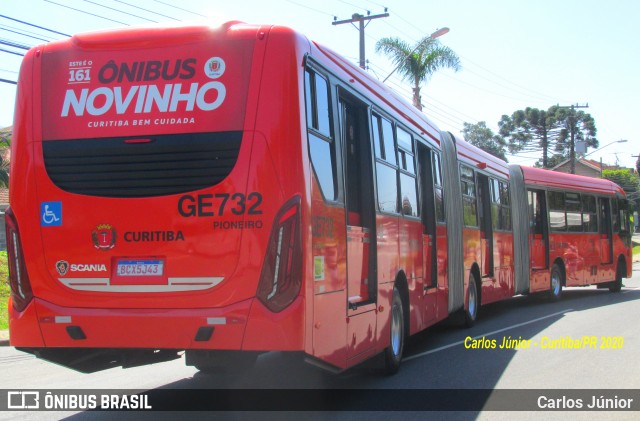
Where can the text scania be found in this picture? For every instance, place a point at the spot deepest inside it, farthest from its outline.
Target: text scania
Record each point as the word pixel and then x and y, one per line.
pixel 170 97
pixel 88 267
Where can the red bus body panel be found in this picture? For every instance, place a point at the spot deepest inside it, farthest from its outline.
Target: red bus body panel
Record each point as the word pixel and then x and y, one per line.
pixel 134 268
pixel 134 84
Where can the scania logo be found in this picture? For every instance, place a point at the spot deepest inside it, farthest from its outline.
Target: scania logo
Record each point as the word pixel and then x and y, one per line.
pixel 104 237
pixel 62 266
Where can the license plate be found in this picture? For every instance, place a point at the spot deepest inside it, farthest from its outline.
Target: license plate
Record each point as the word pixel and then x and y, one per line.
pixel 138 271
pixel 140 268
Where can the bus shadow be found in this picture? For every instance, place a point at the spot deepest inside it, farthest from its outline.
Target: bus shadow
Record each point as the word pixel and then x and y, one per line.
pixel 435 359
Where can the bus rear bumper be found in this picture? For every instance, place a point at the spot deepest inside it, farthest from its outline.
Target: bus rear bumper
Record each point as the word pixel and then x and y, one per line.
pixel 65 327
pixel 246 325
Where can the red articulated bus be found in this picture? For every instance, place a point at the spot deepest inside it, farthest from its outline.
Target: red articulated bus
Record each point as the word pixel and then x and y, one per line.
pixel 578 231
pixel 240 189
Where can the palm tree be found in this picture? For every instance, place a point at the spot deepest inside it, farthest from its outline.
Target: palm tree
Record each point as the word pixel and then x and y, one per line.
pixel 416 64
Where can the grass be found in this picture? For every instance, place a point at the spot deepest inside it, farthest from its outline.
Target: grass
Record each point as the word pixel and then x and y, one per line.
pixel 636 250
pixel 4 291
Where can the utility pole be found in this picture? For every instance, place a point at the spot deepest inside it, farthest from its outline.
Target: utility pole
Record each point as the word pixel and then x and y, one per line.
pixel 356 17
pixel 572 129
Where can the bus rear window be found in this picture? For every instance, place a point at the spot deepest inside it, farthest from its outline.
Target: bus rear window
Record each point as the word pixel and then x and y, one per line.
pixel 141 167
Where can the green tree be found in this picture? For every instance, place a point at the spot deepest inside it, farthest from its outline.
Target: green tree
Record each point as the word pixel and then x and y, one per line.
pixel 629 182
pixel 484 138
pixel 532 130
pixel 5 143
pixel 417 63
pixel 554 160
pixel 576 126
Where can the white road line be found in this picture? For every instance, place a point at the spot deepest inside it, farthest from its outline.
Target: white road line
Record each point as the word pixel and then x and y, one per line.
pixel 413 357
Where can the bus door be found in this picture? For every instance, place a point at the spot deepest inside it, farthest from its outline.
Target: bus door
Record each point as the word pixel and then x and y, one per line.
pixel 486 228
pixel 361 247
pixel 606 239
pixel 538 232
pixel 430 185
pixel 538 240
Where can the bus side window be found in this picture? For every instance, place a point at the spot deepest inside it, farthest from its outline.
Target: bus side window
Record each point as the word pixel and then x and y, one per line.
pixel 557 216
pixel 322 148
pixel 469 203
pixel 408 181
pixel 500 205
pixel 615 216
pixel 603 220
pixel 386 164
pixel 621 221
pixel 589 214
pixel 536 209
pixel 438 189
pixel 574 212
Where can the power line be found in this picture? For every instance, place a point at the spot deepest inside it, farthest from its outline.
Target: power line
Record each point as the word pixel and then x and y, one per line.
pixel 120 11
pixel 377 4
pixel 399 31
pixel 534 97
pixel 85 12
pixel 11 52
pixel 24 32
pixel 515 89
pixel 36 26
pixel 453 110
pixel 310 8
pixel 8 81
pixel 400 87
pixel 546 97
pixel 14 45
pixel 409 23
pixel 179 8
pixel 356 6
pixel 531 93
pixel 24 35
pixel 146 10
pixel 485 90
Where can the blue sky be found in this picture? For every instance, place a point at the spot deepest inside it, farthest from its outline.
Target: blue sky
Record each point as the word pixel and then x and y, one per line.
pixel 514 54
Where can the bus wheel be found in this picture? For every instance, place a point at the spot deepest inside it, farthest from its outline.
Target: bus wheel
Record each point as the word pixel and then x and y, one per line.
pixel 393 354
pixel 555 290
pixel 616 285
pixel 471 315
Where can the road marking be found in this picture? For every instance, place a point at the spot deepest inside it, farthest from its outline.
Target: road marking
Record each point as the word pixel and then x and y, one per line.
pixel 413 357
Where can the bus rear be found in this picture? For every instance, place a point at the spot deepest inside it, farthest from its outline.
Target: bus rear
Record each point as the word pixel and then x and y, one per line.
pixel 147 208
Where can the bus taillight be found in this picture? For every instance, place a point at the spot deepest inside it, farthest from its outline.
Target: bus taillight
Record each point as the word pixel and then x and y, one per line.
pixel 281 275
pixel 21 293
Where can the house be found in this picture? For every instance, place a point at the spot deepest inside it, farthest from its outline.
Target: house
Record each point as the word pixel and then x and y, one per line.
pixel 586 167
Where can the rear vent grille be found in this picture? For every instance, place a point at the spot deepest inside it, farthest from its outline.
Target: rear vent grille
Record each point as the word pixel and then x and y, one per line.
pixel 141 167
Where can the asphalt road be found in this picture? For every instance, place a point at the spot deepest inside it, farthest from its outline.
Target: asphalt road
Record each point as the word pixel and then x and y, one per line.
pixel 443 357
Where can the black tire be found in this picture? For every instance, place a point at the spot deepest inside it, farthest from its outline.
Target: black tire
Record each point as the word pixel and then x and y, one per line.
pixel 555 283
pixel 473 302
pixel 616 285
pixel 393 353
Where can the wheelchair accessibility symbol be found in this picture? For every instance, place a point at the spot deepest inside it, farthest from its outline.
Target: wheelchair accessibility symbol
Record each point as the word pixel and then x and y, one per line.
pixel 51 214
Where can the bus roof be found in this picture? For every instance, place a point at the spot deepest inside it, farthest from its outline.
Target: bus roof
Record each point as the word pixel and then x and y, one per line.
pixel 560 180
